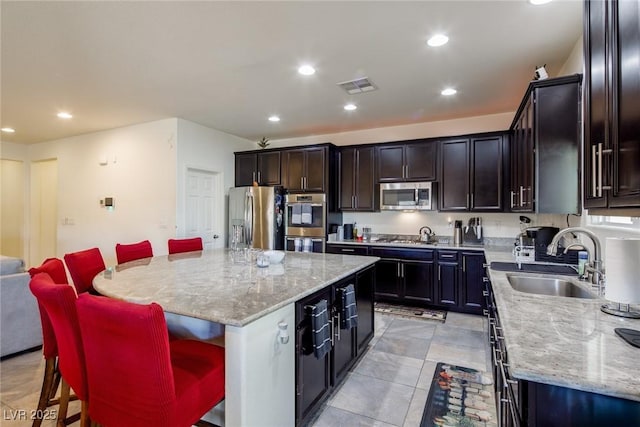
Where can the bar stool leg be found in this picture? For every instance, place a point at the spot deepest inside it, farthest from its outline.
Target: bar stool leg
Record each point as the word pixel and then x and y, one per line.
pixel 84 415
pixel 64 403
pixel 48 383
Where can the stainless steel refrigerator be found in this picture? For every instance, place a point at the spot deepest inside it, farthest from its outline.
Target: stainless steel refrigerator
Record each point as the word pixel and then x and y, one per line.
pixel 256 214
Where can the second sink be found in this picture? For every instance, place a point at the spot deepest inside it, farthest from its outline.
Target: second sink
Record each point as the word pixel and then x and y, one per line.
pixel 547 286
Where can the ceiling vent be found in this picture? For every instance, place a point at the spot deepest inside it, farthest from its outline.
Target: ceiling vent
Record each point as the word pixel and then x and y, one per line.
pixel 357 86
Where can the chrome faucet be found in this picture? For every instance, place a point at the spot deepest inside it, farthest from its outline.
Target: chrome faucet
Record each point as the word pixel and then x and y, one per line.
pixel 595 267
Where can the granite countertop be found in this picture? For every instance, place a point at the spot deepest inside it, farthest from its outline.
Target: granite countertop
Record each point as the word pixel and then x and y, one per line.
pixel 565 341
pixel 420 245
pixel 222 286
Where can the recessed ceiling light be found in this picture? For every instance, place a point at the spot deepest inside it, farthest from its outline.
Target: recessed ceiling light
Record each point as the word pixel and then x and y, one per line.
pixel 274 119
pixel 64 115
pixel 8 130
pixel 438 40
pixel 306 70
pixel 539 2
pixel 350 107
pixel 449 91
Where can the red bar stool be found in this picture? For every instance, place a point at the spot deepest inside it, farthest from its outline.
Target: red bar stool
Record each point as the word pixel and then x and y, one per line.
pixel 54 267
pixel 136 376
pixel 59 302
pixel 133 251
pixel 83 267
pixel 177 246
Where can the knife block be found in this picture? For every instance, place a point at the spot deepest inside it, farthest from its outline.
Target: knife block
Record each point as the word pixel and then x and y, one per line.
pixel 469 236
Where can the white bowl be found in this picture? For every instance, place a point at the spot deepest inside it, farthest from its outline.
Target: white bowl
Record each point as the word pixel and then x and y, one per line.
pixel 275 257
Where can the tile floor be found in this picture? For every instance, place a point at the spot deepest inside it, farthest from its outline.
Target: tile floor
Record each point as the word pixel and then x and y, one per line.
pixel 388 386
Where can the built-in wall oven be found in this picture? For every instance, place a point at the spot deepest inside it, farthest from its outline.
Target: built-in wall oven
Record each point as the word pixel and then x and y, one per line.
pixel 305 222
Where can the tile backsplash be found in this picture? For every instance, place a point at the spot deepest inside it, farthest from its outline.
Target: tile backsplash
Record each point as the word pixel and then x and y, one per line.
pixel 494 224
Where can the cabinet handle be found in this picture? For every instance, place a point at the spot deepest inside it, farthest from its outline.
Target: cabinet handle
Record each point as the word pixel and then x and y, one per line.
pixel 439 273
pixel 485 312
pixel 338 328
pixel 471 205
pixel 594 171
pixel 259 180
pixel 600 169
pixel 513 203
pixel 355 202
pixel 301 182
pixel 398 270
pixel 402 270
pixel 467 201
pixel 347 250
pixel 464 264
pixel 521 195
pixel 485 293
pixel 485 279
pixel 253 177
pixel 485 265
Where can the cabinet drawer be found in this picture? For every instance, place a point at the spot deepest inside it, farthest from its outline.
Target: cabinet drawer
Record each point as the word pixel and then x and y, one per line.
pixel 347 249
pixel 398 253
pixel 448 255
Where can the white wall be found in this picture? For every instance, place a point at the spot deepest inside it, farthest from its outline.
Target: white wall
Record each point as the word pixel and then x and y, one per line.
pixel 140 175
pixel 478 124
pixel 203 148
pixel 575 62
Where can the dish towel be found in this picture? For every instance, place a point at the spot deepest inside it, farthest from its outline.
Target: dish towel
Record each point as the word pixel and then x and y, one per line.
pixel 321 332
pixel 296 213
pixel 307 210
pixel 349 309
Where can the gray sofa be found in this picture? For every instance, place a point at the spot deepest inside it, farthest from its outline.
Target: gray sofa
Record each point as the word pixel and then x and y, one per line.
pixel 20 327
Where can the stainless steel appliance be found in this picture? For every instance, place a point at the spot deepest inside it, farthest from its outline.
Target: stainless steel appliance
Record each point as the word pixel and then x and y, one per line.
pixel 258 213
pixel 406 196
pixel 305 222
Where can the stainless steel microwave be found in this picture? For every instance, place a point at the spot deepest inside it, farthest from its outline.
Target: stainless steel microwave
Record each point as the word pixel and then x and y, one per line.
pixel 406 196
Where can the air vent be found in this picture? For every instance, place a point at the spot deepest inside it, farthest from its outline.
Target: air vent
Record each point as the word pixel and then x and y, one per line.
pixel 357 86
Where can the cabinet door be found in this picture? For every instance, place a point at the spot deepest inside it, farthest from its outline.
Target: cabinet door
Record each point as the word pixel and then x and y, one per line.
pixel 348 175
pixel 314 173
pixel 472 298
pixel 364 175
pixel 454 182
pixel 528 158
pixel 313 376
pixel 626 105
pixel 365 285
pixel 245 169
pixel 418 281
pixel 596 117
pixel 293 169
pixel 486 174
pixel 387 280
pixel 391 163
pixel 269 168
pixel 420 160
pixel 344 340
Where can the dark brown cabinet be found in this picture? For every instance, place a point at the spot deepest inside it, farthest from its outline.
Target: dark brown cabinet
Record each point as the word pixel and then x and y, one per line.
pixel 357 179
pixel 472 173
pixel 415 161
pixel 305 170
pixel 261 167
pixel 472 290
pixel 545 166
pixel 317 378
pixel 404 275
pixel 448 279
pixel 612 104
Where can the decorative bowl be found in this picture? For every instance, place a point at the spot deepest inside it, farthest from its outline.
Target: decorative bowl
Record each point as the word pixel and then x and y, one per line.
pixel 275 257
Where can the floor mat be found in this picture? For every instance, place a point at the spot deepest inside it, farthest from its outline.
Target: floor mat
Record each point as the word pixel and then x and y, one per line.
pixel 412 312
pixel 460 396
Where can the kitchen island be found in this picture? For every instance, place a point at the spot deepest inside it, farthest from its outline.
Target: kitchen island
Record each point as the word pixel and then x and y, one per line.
pixel 227 288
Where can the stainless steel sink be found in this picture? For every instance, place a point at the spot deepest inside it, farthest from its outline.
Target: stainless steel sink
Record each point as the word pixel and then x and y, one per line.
pixel 547 286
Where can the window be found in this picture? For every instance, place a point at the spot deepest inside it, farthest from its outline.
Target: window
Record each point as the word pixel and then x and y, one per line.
pixel 618 222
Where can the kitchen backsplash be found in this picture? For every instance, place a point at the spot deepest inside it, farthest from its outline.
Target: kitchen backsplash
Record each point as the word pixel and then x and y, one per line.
pixel 494 224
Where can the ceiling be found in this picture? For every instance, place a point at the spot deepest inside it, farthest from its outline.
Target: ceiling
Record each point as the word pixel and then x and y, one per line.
pixel 230 65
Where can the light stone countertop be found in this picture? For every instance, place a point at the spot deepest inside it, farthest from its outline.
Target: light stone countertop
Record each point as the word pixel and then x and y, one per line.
pixel 222 286
pixel 564 341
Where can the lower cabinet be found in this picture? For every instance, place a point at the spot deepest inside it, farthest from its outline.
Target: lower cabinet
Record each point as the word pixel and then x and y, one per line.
pixel 404 275
pixel 317 378
pixel 528 403
pixel 460 280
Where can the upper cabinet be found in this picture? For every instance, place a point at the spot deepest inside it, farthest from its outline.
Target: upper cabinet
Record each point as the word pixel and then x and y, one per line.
pixel 357 179
pixel 545 135
pixel 261 167
pixel 411 161
pixel 306 169
pixel 612 104
pixel 471 173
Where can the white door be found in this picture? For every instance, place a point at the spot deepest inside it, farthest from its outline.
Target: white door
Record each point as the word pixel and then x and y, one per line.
pixel 204 207
pixel 12 212
pixel 43 230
